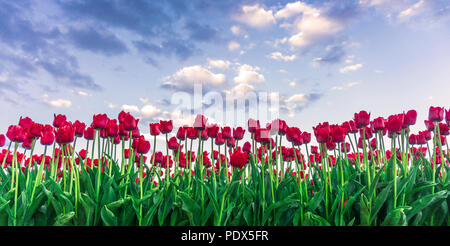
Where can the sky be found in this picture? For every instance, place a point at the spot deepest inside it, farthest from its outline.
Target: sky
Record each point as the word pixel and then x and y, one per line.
pixel 325 60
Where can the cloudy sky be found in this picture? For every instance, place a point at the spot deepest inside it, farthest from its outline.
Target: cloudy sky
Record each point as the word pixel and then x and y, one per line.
pixel 326 59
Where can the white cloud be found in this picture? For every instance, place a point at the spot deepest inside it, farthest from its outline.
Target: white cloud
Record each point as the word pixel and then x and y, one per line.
pixel 351 84
pixel 220 64
pixel 130 108
pixel 57 103
pixel 350 68
pixel 149 111
pixel 185 78
pixel 143 100
pixel 233 45
pixel 82 93
pixel 413 10
pixel 295 8
pixel 337 88
pixel 239 91
pixel 292 84
pixel 297 98
pixel 256 16
pixel 279 56
pixel 237 30
pixel 111 105
pixel 248 74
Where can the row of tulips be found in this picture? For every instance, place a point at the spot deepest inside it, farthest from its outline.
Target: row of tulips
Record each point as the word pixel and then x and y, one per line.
pixel 350 178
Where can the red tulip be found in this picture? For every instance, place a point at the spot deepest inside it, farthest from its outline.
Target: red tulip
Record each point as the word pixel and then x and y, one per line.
pixel 219 140
pixel 294 135
pixel 350 126
pixel 373 143
pixel 204 135
pixel 436 114
pixel 345 148
pixel 338 134
pixel 89 133
pixel 36 130
pixel 112 129
pixel 166 126
pixel 429 125
pixel 410 117
pixel 239 159
pixel 47 138
pixel 135 133
pixel 65 133
pixel 247 147
pixel 155 129
pixel 362 119
pixel 322 132
pixel 2 141
pixel 262 136
pixel 443 129
pixel 212 130
pixel 25 123
pixel 16 133
pixel 413 139
pixel 279 126
pixel 238 133
pixel 331 145
pixel 59 120
pixel 395 123
pixel 226 132
pixel 421 138
pixel 231 143
pixel 79 128
pixel 129 122
pixel 26 144
pixel 172 143
pixel 378 124
pixel 181 134
pixel 367 132
pixel 253 125
pixel 99 121
pixel 143 146
pixel 200 122
pixel 191 133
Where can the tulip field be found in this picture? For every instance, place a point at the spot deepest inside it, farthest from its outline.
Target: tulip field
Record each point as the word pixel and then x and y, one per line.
pixel 363 172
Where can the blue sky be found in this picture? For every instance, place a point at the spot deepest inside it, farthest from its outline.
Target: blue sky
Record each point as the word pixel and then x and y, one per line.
pixel 327 59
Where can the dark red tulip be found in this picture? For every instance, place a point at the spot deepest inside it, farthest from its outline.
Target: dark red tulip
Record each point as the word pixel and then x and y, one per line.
pixel 395 123
pixel 135 133
pixel 410 117
pixel 231 142
pixel 253 125
pixel 426 134
pixel 239 159
pixel 2 140
pixel 89 133
pixel 155 129
pixel 143 146
pixel 191 133
pixel 362 119
pixel 443 129
pixel 429 125
pixel 27 143
pixel 350 126
pixel 238 133
pixel 378 124
pixel 212 130
pixel 200 122
pixel 36 130
pixel 79 128
pixel 331 145
pixel 373 143
pixel 306 136
pixel 112 129
pixel 421 138
pixel 121 116
pixel 226 132
pixel 59 120
pixel 166 126
pixel 25 123
pixel 322 132
pixel 294 135
pixel 447 117
pixel 181 133
pixel 247 147
pixel 279 126
pixel 219 140
pixel 314 149
pixel 345 148
pixel 172 143
pixel 262 136
pixel 129 122
pixel 65 133
pixel 338 134
pixel 16 133
pixel 367 132
pixel 436 114
pixel 123 133
pixel 47 138
pixel 204 135
pixel 413 139
pixel 99 121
